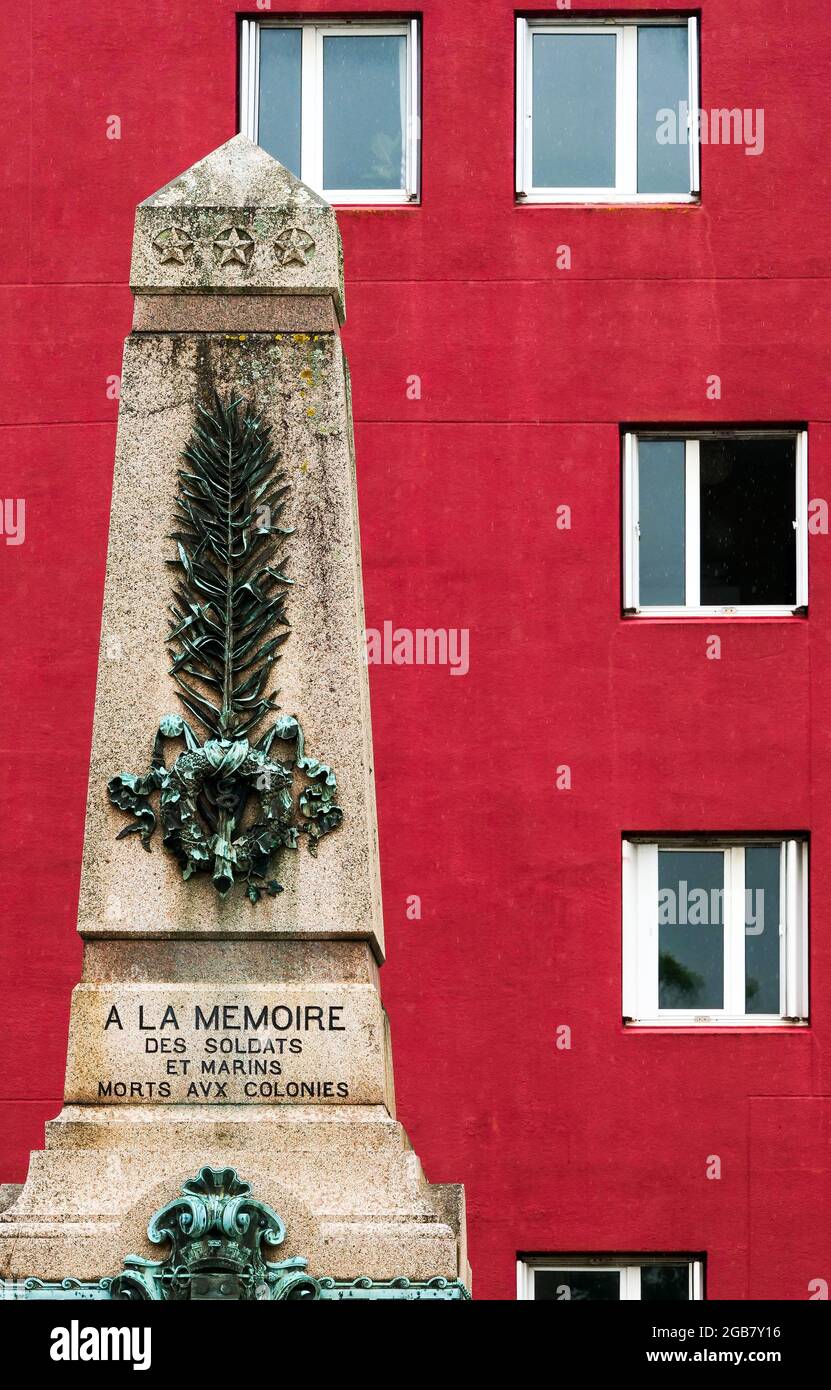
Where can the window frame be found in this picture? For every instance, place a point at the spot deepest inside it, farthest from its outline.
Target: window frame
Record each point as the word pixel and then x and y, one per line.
pixel 313 33
pixel 626 135
pixel 628 1266
pixel 631 531
pixel 640 933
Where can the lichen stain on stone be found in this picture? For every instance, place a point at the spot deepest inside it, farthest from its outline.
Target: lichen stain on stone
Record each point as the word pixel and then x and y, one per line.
pixel 206 382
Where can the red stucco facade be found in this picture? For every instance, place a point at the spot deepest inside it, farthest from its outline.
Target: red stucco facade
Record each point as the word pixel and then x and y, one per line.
pixel 528 373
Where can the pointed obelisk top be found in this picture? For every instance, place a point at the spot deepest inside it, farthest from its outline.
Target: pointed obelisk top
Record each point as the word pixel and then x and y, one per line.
pixel 238 174
pixel 237 222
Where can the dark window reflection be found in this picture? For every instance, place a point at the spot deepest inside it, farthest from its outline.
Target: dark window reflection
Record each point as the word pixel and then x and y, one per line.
pixel 660 1283
pixel 280 65
pixel 748 543
pixel 577 1285
pixel 574 110
pixel 761 876
pixel 661 521
pixel 690 929
pixel 663 85
pixel 364 90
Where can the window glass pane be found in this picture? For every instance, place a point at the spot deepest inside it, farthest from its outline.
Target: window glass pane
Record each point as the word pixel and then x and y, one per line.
pixel 573 110
pixel 364 111
pixel 661 490
pixel 691 929
pixel 662 1282
pixel 663 103
pixel 279 118
pixel 577 1285
pixel 748 505
pixel 761 954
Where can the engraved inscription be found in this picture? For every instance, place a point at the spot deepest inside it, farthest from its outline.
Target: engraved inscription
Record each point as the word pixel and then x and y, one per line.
pixel 178 1045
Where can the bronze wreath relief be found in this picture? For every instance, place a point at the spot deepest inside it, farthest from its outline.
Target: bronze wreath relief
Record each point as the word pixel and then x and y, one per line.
pixel 228 624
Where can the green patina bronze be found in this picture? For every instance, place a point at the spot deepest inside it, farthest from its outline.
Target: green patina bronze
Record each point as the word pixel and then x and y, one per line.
pixel 228 624
pixel 328 1290
pixel 220 1236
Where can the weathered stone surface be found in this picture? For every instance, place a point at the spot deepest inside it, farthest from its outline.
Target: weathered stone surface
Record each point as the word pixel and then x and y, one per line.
pixel 9 1193
pixel 182 960
pixel 233 313
pixel 299 385
pixel 344 1179
pixel 237 220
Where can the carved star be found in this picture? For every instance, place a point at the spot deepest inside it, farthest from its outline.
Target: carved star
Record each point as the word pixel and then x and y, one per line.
pixel 172 244
pixel 234 245
pixel 294 247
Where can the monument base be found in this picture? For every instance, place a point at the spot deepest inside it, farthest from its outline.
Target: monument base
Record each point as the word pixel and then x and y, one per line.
pixel 348 1187
pixel 345 1192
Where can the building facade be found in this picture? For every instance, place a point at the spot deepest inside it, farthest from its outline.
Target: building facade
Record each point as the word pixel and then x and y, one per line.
pixel 586 304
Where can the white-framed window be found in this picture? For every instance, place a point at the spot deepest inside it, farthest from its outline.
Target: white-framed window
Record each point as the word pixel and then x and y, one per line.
pixel 715 931
pixel 607 110
pixel 715 523
pixel 610 1278
pixel 337 102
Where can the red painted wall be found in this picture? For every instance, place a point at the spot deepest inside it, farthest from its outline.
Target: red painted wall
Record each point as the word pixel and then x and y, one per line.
pixel 527 374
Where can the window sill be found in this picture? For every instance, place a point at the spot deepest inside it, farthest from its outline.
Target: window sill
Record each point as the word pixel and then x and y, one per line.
pixel 763 1024
pixel 731 614
pixel 344 198
pixel 602 199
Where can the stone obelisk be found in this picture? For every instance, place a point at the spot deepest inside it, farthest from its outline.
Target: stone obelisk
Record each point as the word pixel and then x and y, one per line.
pixel 229 1015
